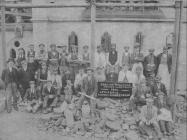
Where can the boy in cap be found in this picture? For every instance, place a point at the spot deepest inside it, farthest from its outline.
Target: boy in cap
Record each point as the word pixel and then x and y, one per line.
pixel 148 118
pixel 32 98
pixel 10 78
pixel 150 63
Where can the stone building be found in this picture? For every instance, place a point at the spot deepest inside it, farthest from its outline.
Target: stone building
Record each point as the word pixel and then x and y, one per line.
pixel 54 25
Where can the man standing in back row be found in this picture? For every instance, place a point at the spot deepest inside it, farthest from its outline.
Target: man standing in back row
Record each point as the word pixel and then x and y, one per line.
pixel 9 77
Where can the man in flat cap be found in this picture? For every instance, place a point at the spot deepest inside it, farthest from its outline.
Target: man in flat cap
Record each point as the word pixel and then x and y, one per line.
pixel 150 63
pixel 89 87
pixel 49 93
pixel 137 56
pixel 148 119
pixel 42 53
pixel 10 78
pixel 31 52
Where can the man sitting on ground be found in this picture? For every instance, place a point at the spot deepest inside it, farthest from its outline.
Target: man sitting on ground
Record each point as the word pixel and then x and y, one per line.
pixel 32 98
pixel 49 93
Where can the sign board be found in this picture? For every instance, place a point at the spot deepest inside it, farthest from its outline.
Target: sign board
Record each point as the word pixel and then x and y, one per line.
pixel 114 90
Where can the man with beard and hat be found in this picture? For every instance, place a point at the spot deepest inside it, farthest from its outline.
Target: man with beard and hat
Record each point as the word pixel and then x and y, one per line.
pixel 10 78
pixel 150 64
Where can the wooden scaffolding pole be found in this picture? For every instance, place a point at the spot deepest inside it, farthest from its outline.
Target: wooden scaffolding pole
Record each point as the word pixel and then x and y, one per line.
pixel 3 33
pixel 176 48
pixel 93 45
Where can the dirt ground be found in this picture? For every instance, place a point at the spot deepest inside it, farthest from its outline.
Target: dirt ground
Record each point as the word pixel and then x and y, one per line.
pixel 23 126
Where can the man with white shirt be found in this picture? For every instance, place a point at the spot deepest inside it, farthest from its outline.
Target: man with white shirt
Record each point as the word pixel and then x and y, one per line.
pixel 126 57
pixel 78 79
pixel 100 58
pixel 10 78
pixel 125 75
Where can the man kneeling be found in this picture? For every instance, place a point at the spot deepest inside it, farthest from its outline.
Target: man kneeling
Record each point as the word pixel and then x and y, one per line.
pixel 32 98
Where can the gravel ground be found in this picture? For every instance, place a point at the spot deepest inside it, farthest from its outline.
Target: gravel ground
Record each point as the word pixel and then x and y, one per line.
pixel 23 126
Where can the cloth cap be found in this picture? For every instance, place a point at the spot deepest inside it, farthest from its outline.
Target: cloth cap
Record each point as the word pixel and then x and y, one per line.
pixel 90 69
pixel 31 82
pixel 151 50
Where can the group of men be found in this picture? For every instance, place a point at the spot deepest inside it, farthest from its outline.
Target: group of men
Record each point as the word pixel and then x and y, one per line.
pixel 45 79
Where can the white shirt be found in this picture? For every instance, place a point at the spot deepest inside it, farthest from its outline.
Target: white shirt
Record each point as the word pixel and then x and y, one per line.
pixel 129 75
pixel 100 60
pixel 78 79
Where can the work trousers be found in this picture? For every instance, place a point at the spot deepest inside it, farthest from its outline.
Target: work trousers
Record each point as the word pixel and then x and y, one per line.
pixel 91 103
pixel 49 102
pixel 144 128
pixel 11 91
pixel 165 126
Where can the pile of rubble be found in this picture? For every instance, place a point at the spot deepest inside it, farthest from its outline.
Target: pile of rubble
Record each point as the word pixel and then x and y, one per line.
pixel 110 120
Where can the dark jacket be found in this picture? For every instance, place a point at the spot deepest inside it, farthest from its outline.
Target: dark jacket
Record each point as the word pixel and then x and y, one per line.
pixel 29 96
pixel 113 57
pixel 169 61
pixel 25 77
pixel 9 77
pixel 51 92
pixel 89 87
pixel 162 88
pixel 146 62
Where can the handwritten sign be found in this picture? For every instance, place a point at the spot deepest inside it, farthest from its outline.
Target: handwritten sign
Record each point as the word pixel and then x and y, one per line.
pixel 114 90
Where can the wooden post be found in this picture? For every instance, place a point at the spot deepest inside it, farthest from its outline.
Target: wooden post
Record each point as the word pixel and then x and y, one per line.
pixel 3 33
pixel 93 46
pixel 176 47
